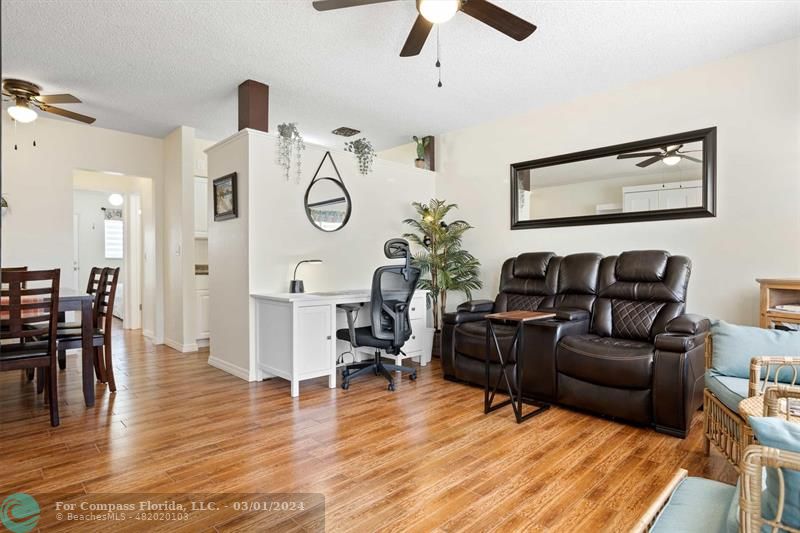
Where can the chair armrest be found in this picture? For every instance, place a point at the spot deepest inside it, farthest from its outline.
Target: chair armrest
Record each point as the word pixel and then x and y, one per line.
pixel 350 311
pixel 477 306
pixel 567 313
pixel 688 324
pixel 460 317
pixel 678 342
pixel 755 461
pixel 773 395
pixel 769 363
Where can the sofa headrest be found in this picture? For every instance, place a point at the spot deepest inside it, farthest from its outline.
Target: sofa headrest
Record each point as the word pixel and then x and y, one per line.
pixel 532 265
pixel 578 273
pixel 642 265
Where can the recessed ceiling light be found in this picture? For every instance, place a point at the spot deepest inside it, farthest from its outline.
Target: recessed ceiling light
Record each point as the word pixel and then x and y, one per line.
pixel 116 199
pixel 344 131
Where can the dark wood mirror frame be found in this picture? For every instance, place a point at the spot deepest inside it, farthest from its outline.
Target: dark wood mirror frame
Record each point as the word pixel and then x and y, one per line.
pixel 708 137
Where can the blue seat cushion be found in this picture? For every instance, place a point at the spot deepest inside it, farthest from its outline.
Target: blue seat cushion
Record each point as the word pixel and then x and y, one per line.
pixel 729 390
pixel 699 505
pixel 734 346
pixel 782 434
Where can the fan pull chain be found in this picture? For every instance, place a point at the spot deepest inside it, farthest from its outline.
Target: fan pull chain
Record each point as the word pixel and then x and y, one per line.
pixel 438 56
pixel 15 134
pixel 34 134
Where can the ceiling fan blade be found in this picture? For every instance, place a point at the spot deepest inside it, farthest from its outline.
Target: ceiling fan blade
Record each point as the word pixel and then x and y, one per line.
pixel 648 162
pixel 688 151
pixel 498 18
pixel 57 99
pixel 642 154
pixel 417 37
pixel 327 5
pixel 690 158
pixel 68 114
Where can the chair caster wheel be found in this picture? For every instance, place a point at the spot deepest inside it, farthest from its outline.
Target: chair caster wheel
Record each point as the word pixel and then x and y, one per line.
pixel 345 386
pixel 390 387
pixel 413 376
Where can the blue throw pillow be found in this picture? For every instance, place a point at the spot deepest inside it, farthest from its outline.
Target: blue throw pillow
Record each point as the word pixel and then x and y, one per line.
pixel 778 433
pixel 734 346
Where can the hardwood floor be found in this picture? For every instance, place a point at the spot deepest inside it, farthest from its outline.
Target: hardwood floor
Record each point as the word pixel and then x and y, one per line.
pixel 424 458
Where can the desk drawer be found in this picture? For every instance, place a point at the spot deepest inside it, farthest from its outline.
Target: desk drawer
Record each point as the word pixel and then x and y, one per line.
pixel 417 310
pixel 414 343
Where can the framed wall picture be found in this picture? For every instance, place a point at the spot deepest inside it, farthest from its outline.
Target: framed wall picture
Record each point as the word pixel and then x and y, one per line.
pixel 225 198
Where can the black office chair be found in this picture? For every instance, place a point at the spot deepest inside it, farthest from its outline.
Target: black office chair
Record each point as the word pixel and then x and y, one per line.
pixel 392 289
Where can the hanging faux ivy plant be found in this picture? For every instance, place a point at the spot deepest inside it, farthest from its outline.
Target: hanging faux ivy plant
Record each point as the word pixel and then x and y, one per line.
pixel 363 150
pixel 290 146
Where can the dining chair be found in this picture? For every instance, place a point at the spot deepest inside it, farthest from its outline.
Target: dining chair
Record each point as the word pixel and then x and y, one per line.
pixel 28 326
pixel 28 371
pixel 103 317
pixel 91 290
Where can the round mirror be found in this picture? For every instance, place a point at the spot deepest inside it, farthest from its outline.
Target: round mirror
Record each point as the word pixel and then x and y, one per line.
pixel 327 204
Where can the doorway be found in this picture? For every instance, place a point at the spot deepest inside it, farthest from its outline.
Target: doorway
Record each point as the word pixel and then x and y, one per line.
pixel 112 216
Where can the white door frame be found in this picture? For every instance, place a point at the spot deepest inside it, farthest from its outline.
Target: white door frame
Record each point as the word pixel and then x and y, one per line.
pixel 132 273
pixel 76 252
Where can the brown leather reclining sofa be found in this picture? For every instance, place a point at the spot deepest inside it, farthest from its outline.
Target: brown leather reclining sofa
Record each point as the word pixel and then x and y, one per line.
pixel 620 345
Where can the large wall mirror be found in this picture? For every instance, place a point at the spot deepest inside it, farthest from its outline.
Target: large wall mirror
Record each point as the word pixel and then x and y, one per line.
pixel 663 178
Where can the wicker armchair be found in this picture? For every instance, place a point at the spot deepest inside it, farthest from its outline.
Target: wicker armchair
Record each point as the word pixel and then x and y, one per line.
pixel 723 427
pixel 754 459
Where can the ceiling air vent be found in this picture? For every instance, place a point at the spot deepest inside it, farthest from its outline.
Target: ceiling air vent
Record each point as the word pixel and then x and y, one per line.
pixel 344 131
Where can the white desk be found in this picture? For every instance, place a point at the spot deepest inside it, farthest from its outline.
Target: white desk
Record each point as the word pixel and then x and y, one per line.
pixel 295 334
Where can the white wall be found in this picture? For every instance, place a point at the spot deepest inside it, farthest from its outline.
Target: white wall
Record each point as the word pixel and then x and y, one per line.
pixel 38 183
pixel 404 154
pixel 753 99
pixel 258 251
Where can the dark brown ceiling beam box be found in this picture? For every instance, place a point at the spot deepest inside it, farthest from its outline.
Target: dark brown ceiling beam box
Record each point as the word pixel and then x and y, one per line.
pixel 254 105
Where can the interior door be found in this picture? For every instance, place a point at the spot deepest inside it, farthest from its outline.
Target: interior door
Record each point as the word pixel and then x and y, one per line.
pixel 76 262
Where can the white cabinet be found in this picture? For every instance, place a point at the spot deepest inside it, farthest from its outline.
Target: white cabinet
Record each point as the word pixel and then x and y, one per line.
pixel 640 201
pixel 314 339
pixel 200 207
pixel 675 195
pixel 202 306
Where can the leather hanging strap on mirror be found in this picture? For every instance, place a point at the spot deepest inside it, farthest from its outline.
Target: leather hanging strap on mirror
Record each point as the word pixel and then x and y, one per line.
pixel 335 168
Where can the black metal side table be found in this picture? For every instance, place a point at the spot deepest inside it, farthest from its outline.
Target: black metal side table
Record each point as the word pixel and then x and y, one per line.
pixel 514 391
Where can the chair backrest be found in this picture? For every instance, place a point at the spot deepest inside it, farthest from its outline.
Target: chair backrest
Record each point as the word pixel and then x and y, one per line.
pixel 639 292
pixel 94 280
pixel 104 298
pixel 29 306
pixel 528 282
pixel 577 281
pixel 392 290
pixel 14 269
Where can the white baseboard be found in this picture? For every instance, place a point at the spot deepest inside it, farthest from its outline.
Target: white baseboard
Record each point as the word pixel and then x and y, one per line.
pixel 203 343
pixel 184 348
pixel 147 333
pixel 230 368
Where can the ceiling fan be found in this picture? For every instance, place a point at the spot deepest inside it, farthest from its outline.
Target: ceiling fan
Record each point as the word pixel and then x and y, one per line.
pixel 26 95
pixel 670 155
pixel 432 12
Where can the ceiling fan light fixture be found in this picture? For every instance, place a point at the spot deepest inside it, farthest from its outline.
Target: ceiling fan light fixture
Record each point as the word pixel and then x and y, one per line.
pixel 671 160
pixel 438 11
pixel 21 112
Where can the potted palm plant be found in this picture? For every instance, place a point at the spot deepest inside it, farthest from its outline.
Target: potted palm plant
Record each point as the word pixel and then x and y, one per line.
pixel 445 265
